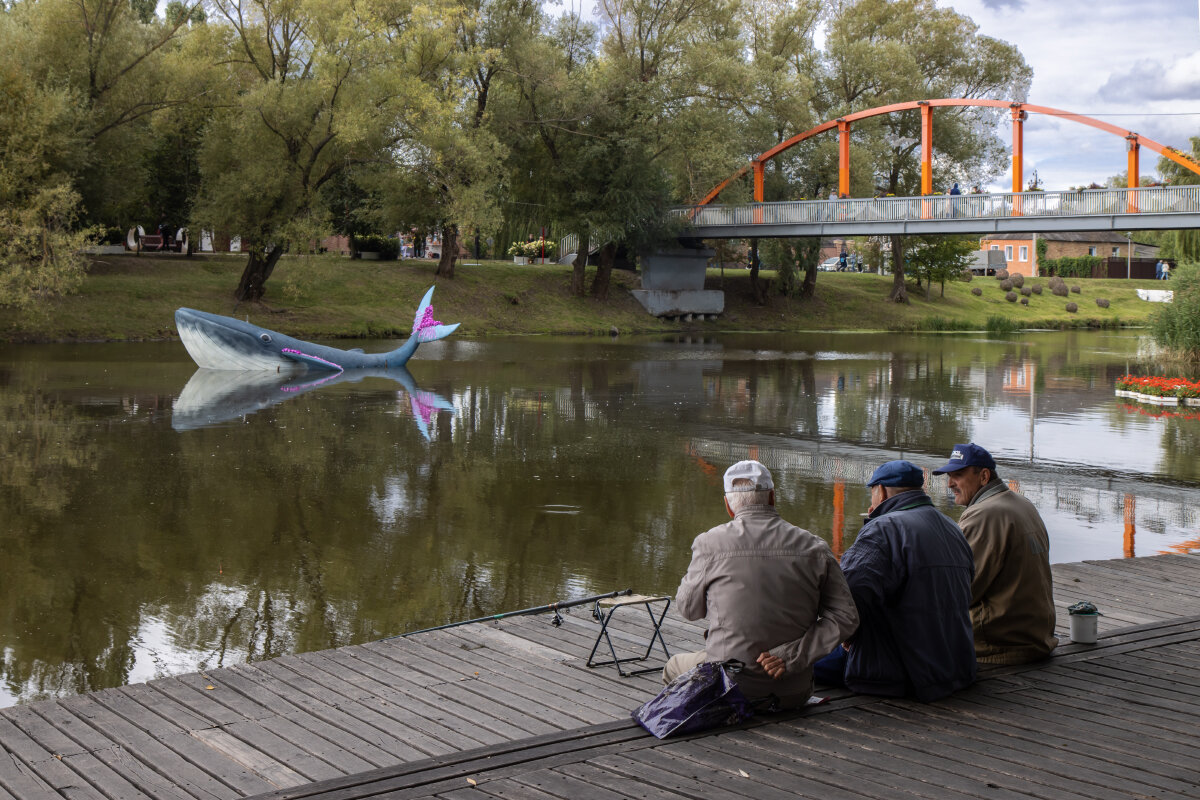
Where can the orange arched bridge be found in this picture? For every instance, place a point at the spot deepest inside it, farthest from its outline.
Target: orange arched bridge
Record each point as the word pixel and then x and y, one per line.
pixel 1105 209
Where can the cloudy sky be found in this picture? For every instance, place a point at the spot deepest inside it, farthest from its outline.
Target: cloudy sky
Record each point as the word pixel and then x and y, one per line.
pixel 1133 63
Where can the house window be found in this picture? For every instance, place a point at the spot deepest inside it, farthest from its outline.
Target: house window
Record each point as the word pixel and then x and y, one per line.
pixel 995 247
pixel 1024 253
pixel 1116 251
pixel 1091 251
pixel 1008 252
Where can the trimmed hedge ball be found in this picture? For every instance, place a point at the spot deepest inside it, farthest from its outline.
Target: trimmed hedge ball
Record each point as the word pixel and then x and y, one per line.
pixel 1018 279
pixel 1072 308
pixel 1059 290
pixel 1100 301
pixel 1025 290
pixel 1076 290
pixel 967 276
pixel 1001 274
pixel 1011 297
pixel 1037 289
pixel 1024 301
pixel 1006 285
pixel 1055 280
pixel 977 291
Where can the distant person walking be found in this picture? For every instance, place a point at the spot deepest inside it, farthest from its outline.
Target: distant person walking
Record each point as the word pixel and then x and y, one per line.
pixel 1158 270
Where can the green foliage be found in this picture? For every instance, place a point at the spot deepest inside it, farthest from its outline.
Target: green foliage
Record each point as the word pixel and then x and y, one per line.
pixel 939 258
pixel 1001 324
pixel 1176 325
pixel 1071 267
pixel 388 247
pixel 791 258
pixel 1041 250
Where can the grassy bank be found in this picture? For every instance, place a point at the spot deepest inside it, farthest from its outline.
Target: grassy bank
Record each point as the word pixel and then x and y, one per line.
pixel 134 298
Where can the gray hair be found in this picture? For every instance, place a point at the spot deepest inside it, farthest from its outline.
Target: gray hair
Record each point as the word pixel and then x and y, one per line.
pixel 752 497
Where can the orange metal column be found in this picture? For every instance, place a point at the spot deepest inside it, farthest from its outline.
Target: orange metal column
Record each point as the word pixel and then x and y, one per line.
pixel 843 158
pixel 1129 525
pixel 1018 156
pixel 926 149
pixel 1133 180
pixel 759 179
pixel 839 516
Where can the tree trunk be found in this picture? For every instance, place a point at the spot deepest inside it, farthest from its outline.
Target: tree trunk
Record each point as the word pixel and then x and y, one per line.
pixel 809 287
pixel 604 265
pixel 445 267
pixel 756 285
pixel 579 266
pixel 259 267
pixel 899 294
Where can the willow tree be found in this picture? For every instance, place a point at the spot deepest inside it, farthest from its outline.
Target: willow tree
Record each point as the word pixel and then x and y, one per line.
pixel 314 88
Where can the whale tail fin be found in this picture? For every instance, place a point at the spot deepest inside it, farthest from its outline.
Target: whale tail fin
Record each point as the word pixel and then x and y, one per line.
pixel 425 327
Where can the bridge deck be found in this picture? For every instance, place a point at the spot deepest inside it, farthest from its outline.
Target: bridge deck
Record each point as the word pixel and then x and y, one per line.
pixel 521 684
pixel 1153 208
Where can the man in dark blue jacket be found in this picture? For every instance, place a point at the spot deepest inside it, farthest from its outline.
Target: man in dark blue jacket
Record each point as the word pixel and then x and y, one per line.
pixel 910 572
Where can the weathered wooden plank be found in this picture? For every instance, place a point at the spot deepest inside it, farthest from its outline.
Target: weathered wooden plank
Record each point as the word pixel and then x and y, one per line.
pixel 269 769
pixel 1055 765
pixel 758 782
pixel 151 765
pixel 587 782
pixel 423 726
pixel 29 757
pixel 362 720
pixel 535 701
pixel 1102 770
pixel 22 781
pixel 617 772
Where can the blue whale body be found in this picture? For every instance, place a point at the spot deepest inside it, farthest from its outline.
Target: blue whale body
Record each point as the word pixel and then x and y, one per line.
pixel 225 343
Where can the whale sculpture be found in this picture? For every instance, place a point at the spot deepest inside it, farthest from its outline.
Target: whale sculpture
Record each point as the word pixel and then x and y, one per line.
pixel 225 343
pixel 212 397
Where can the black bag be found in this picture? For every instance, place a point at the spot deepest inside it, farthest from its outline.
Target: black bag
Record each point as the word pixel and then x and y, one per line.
pixel 701 698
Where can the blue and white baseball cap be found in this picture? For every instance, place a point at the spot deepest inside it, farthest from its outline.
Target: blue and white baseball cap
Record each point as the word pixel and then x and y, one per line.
pixel 967 455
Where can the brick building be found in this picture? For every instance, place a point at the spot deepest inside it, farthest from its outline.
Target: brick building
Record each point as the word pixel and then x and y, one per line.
pixel 1020 250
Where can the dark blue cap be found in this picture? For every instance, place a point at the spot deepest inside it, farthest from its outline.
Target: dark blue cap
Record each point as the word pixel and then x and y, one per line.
pixel 897 473
pixel 967 455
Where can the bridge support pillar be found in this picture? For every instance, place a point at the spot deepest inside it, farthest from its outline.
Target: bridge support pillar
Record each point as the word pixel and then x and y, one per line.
pixel 673 284
pixel 1133 180
pixel 926 149
pixel 843 158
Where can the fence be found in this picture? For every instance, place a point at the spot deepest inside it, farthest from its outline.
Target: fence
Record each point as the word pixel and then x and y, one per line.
pixel 1157 200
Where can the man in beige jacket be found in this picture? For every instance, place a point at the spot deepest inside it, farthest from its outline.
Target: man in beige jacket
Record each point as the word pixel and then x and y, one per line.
pixel 774 595
pixel 1012 599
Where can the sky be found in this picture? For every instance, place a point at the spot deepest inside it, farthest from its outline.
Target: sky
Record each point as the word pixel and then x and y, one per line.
pixel 1132 63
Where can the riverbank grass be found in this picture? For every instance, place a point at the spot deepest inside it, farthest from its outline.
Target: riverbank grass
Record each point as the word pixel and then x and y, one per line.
pixel 128 297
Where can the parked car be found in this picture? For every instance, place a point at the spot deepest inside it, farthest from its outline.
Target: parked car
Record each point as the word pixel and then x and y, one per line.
pixel 829 264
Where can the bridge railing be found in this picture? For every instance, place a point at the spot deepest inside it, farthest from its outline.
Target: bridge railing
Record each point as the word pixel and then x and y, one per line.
pixel 1157 200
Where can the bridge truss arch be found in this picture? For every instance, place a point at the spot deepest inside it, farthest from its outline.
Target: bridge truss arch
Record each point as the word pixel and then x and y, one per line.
pixel 1019 113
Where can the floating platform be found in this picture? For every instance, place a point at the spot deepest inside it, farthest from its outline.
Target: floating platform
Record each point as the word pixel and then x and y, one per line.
pixel 509 709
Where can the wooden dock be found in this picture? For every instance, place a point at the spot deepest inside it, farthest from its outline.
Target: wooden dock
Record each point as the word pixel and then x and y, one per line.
pixel 509 709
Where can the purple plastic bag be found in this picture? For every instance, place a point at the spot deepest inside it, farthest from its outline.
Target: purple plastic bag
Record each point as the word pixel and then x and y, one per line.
pixel 701 698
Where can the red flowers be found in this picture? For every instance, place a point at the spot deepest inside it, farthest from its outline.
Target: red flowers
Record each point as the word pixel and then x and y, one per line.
pixel 1159 387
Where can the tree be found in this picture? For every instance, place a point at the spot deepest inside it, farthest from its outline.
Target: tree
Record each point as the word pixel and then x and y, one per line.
pixel 1183 245
pixel 886 51
pixel 314 88
pixel 938 258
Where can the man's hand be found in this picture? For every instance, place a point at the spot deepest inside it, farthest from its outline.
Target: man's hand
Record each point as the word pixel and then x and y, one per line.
pixel 772 665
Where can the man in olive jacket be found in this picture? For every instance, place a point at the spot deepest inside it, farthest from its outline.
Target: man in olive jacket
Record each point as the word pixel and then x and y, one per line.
pixel 773 594
pixel 1012 599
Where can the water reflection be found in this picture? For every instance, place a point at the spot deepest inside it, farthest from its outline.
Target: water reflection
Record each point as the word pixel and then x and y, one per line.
pixel 149 529
pixel 215 396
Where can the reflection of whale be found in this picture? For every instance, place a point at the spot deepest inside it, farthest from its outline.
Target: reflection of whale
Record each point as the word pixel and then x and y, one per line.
pixel 225 343
pixel 213 396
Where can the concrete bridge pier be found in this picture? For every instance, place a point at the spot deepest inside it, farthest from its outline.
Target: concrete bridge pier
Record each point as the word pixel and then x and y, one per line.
pixel 673 284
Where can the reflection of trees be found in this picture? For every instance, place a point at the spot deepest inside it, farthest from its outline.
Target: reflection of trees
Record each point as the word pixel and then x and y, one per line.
pixel 330 519
pixel 1180 444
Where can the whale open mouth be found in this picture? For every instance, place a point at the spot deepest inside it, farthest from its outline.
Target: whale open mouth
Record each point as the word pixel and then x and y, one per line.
pixel 214 343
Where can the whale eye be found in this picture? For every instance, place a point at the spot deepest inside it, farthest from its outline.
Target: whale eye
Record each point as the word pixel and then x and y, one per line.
pixel 266 337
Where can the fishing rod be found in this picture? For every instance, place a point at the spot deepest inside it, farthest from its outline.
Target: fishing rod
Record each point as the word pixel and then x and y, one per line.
pixel 523 612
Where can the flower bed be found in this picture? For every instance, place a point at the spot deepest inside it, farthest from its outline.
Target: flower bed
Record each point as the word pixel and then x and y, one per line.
pixel 1159 391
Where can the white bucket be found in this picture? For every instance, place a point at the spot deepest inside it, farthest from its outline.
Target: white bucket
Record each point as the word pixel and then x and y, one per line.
pixel 1083 628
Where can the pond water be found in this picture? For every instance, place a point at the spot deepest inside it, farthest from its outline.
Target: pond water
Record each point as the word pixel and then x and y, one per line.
pixel 155 519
